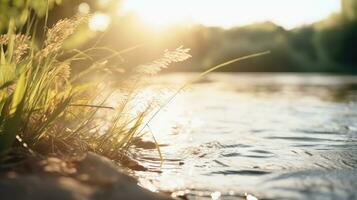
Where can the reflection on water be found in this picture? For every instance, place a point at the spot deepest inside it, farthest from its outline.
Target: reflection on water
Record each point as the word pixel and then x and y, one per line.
pixel 262 136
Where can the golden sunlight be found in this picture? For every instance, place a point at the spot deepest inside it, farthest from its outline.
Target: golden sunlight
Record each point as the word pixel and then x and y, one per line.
pixel 229 13
pixel 178 99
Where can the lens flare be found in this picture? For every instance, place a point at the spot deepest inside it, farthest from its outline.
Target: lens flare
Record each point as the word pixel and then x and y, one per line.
pixel 99 22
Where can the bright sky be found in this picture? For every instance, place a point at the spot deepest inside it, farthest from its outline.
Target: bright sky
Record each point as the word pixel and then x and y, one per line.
pixel 228 13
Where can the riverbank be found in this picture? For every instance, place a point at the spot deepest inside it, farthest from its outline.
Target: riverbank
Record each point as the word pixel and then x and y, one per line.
pixel 88 177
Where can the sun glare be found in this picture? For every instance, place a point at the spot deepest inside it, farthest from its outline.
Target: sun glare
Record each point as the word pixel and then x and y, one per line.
pixel 229 13
pixel 156 15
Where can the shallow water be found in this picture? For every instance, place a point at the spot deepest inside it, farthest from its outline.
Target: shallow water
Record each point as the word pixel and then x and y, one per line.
pixel 270 136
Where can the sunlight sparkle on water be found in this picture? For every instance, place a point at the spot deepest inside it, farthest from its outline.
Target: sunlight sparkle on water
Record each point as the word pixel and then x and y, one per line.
pixel 251 197
pixel 215 195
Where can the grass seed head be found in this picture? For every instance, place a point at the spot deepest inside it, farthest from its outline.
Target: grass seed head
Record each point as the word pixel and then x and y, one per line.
pixel 152 68
pixel 56 35
pixel 22 46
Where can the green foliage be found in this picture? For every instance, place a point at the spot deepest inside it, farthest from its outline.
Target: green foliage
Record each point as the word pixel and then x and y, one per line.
pixel 19 10
pixel 349 9
pixel 30 86
pixel 335 39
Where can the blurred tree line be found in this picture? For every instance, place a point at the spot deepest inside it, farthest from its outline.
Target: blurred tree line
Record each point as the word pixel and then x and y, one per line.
pixel 326 46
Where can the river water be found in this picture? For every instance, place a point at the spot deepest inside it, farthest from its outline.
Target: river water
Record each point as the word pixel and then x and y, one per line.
pixel 256 136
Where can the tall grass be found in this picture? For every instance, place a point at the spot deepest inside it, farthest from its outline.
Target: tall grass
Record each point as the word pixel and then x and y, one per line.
pixel 35 91
pixel 46 108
